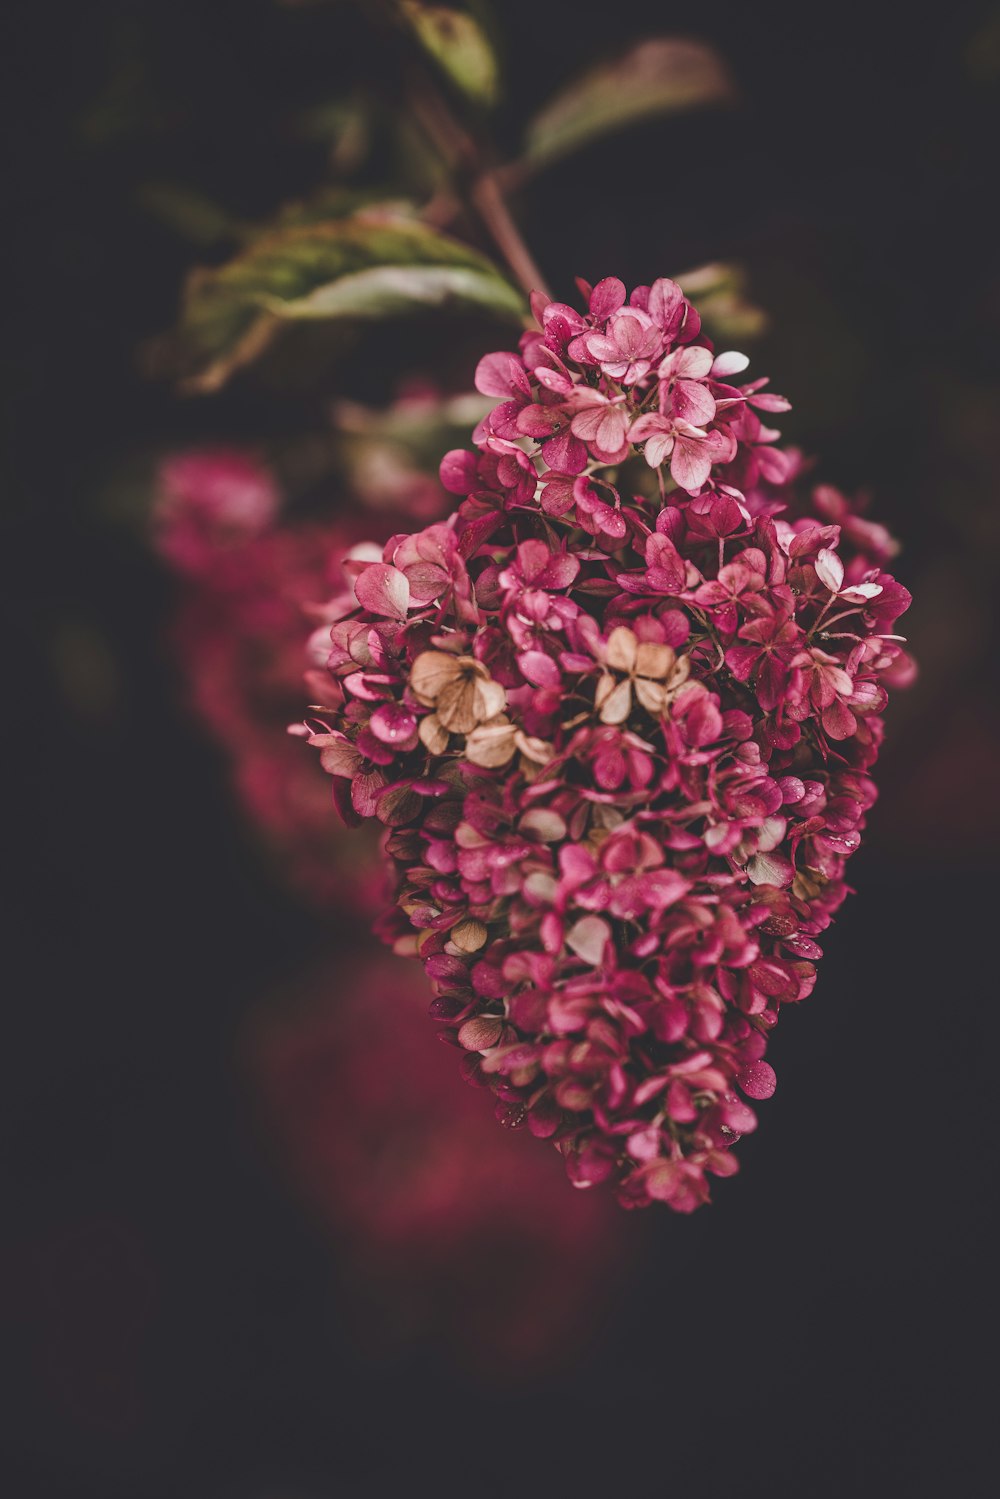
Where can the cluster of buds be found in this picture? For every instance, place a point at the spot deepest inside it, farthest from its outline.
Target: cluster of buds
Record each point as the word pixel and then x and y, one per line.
pixel 618 715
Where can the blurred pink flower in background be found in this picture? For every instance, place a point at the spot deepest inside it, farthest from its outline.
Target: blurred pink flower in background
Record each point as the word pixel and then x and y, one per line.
pixel 212 502
pixel 254 588
pixel 448 1227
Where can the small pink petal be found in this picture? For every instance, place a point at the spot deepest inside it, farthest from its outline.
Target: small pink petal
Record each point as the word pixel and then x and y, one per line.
pixel 608 295
pixel 383 590
pixel 501 375
pixel 736 1116
pixel 666 301
pixel 539 669
pixel 392 723
pixel 458 471
pixel 690 465
pixel 758 1080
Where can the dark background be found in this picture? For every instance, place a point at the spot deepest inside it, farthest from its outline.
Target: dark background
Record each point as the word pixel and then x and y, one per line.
pixel 173 1324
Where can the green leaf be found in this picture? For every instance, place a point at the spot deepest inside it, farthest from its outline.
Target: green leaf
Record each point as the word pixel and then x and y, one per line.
pixel 662 75
pixel 459 45
pixel 373 264
pixel 388 290
pixel 335 202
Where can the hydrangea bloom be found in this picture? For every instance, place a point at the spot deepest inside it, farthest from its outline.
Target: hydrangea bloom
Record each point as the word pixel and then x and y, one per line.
pixel 618 715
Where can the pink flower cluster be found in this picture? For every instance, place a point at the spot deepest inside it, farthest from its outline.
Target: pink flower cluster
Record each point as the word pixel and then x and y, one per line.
pixel 618 715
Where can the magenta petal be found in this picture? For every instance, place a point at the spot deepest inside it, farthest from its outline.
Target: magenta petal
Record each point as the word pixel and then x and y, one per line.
pixel 458 471
pixel 736 1116
pixel 693 402
pixel 664 887
pixel 608 295
pixel 690 464
pixel 666 303
pixel 838 720
pixel 365 792
pixel 758 1080
pixel 393 724
pixel 427 581
pixel 561 570
pixel 741 660
pixel 501 375
pixel 539 669
pixel 565 454
pixel 384 590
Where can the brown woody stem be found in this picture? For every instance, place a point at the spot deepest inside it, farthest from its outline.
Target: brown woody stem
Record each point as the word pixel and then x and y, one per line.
pixel 481 186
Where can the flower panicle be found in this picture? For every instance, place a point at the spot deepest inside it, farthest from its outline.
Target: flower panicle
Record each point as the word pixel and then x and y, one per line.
pixel 618 715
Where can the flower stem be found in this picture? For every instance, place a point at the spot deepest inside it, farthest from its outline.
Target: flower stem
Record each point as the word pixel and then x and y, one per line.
pixel 479 184
pixel 492 208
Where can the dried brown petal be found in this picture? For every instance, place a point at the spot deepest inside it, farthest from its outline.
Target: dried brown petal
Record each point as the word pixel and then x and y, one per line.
pixel 544 823
pixel 490 745
pixel 614 699
pixel 622 648
pixel 538 750
pixel 433 734
pixel 456 705
pixel 468 936
pixel 654 660
pixel 652 695
pixel 808 883
pixel 679 675
pixel 490 699
pixel 431 672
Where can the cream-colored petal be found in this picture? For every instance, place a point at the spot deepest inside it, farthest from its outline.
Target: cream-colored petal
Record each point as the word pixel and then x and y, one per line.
pixel 490 699
pixel 456 705
pixel 433 734
pixel 679 675
pixel 490 745
pixel 652 695
pixel 605 687
pixel 539 750
pixel 654 660
pixel 430 673
pixel 622 647
pixel 618 704
pixel 468 936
